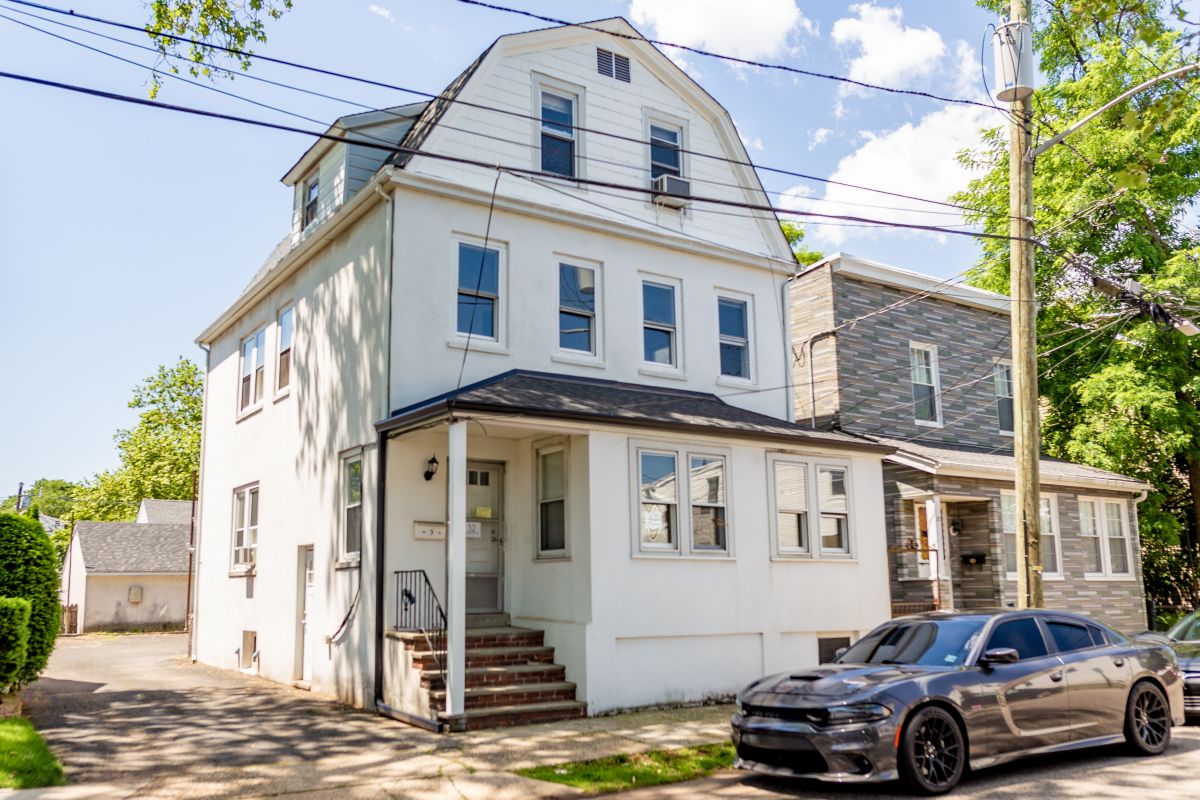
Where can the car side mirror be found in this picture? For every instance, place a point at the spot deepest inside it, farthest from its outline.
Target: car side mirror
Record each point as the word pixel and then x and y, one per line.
pixel 841 651
pixel 1000 655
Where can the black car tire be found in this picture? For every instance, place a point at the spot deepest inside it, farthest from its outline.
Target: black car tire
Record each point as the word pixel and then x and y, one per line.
pixel 1147 720
pixel 933 752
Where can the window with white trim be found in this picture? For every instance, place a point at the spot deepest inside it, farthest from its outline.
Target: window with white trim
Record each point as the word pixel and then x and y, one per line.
pixel 352 501
pixel 660 343
pixel 682 514
pixel 833 500
pixel 311 201
pixel 733 324
pixel 1049 535
pixel 576 308
pixel 706 491
pixel 253 370
pixel 1004 397
pixel 791 507
pixel 666 150
pixel 803 491
pixel 478 291
pixel 552 501
pixel 1105 534
pixel 245 527
pixel 559 133
pixel 659 497
pixel 283 360
pixel 924 363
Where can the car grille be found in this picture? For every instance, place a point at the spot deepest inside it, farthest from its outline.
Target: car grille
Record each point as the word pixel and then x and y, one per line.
pixel 1192 703
pixel 800 762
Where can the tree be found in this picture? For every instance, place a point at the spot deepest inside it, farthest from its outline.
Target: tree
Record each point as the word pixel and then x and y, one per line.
pixel 28 570
pixel 1119 392
pixel 158 455
pixel 53 496
pixel 795 239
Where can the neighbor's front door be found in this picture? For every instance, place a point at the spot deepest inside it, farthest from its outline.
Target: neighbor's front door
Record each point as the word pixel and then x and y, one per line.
pixel 485 537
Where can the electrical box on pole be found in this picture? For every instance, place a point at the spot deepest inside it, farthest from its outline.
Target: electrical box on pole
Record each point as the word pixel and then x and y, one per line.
pixel 1012 45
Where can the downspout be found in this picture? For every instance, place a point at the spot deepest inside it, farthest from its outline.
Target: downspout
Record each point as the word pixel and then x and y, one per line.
pixel 198 513
pixel 381 469
pixel 812 386
pixel 789 358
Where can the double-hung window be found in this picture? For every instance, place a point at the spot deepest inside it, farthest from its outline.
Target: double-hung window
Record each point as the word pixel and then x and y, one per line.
pixel 1004 396
pixel 924 364
pixel 706 490
pixel 253 370
pixel 791 507
pixel 552 501
pixel 833 501
pixel 682 514
pixel 1105 537
pixel 478 291
pixel 659 327
pixel 659 498
pixel 576 308
pixel 733 322
pixel 665 151
pixel 283 363
pixel 559 134
pixel 245 527
pixel 1048 533
pixel 803 491
pixel 352 497
pixel 311 200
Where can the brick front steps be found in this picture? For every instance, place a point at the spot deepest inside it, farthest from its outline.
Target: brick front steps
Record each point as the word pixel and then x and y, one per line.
pixel 511 678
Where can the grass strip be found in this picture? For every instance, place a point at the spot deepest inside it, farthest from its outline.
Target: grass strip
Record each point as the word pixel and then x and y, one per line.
pixel 25 761
pixel 635 770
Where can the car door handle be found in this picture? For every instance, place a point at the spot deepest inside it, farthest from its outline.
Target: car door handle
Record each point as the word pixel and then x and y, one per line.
pixel 1120 662
pixel 1056 675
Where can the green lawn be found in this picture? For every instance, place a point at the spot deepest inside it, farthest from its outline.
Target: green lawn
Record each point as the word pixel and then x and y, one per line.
pixel 632 771
pixel 25 761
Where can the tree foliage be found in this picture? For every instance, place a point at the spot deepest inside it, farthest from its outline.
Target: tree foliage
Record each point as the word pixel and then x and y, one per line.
pixel 795 239
pixel 28 570
pixel 14 640
pixel 1120 392
pixel 52 496
pixel 158 455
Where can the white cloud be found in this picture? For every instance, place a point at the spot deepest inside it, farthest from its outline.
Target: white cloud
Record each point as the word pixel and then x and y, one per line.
pixel 888 53
pixel 818 138
pixel 381 11
pixel 746 29
pixel 915 159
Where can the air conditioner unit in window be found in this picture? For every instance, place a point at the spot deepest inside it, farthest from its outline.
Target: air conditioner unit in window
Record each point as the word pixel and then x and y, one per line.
pixel 671 191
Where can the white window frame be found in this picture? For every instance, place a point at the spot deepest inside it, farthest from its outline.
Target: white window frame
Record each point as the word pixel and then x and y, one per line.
pixel 677 128
pixel 684 545
pixel 693 503
pixel 243 526
pixel 676 368
pixel 306 222
pixel 1105 537
pixel 594 352
pixel 752 376
pixel 281 391
pixel 346 555
pixel 1004 364
pixel 539 451
pixel 934 367
pixel 257 383
pixel 1055 532
pixel 815 550
pixel 492 344
pixel 545 83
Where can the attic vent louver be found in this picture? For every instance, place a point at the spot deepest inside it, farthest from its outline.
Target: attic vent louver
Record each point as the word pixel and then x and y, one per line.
pixel 612 65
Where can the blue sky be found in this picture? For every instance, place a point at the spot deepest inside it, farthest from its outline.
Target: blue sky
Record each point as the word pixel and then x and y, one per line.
pixel 124 231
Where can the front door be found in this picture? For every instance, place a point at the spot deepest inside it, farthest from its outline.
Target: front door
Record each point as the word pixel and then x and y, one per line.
pixel 485 537
pixel 306 602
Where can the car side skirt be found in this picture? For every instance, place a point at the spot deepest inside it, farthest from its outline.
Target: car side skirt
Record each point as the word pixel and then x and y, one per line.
pixel 1004 758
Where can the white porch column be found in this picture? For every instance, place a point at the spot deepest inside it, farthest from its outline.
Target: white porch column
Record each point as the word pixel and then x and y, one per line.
pixel 937 541
pixel 456 568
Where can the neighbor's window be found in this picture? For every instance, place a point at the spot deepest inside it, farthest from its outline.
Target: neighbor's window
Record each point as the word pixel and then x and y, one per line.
pixel 923 359
pixel 558 134
pixel 253 369
pixel 478 291
pixel 658 323
pixel 706 491
pixel 552 503
pixel 659 494
pixel 665 151
pixel 352 495
pixel 1004 397
pixel 245 527
pixel 1048 538
pixel 576 308
pixel 734 337
pixel 791 506
pixel 283 366
pixel 1105 539
pixel 312 196
pixel 835 510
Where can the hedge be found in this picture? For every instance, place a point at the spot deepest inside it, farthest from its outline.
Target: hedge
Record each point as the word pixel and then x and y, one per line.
pixel 14 639
pixel 28 570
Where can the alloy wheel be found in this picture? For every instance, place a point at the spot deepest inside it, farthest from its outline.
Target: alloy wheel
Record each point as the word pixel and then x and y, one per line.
pixel 937 751
pixel 1150 719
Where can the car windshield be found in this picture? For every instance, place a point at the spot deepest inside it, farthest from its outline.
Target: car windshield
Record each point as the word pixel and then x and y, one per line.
pixel 924 642
pixel 1187 629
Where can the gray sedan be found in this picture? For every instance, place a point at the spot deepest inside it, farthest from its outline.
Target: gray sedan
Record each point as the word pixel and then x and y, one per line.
pixel 924 698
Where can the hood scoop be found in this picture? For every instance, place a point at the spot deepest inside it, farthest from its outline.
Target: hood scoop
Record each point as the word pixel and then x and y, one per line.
pixel 808 677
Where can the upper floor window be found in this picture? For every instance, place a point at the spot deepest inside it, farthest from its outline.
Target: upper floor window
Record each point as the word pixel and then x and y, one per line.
pixel 733 319
pixel 312 196
pixel 253 369
pixel 1105 538
pixel 926 406
pixel 1004 396
pixel 665 157
pixel 283 366
pixel 1048 530
pixel 576 308
pixel 612 65
pixel 478 291
pixel 558 134
pixel 552 501
pixel 352 496
pixel 659 328
pixel 245 526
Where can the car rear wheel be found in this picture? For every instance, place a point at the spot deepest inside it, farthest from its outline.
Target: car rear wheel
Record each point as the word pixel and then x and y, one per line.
pixel 1147 720
pixel 933 754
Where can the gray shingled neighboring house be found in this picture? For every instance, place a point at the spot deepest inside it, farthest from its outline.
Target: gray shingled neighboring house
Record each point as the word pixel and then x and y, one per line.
pixel 923 365
pixel 129 575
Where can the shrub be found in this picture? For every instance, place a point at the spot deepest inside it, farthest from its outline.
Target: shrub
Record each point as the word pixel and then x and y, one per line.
pixel 14 639
pixel 28 569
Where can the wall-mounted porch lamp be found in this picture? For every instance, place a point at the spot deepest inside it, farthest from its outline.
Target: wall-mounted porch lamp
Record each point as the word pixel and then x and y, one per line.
pixel 431 468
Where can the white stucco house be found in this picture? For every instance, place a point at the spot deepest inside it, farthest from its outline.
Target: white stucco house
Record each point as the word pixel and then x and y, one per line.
pixel 484 446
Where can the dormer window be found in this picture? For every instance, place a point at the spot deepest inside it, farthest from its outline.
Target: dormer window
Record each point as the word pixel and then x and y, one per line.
pixel 612 65
pixel 664 152
pixel 312 193
pixel 558 134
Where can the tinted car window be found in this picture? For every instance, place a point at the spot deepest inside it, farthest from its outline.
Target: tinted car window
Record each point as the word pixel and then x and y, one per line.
pixel 1098 637
pixel 1068 637
pixel 1022 635
pixel 943 642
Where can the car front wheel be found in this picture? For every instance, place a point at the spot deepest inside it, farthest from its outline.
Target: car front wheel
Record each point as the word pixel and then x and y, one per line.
pixel 933 754
pixel 1147 720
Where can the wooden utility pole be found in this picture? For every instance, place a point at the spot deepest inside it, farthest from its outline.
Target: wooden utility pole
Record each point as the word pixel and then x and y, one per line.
pixel 1027 427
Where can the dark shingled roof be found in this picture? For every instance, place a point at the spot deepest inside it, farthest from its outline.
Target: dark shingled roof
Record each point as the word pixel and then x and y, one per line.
pixel 171 512
pixel 539 394
pixel 133 547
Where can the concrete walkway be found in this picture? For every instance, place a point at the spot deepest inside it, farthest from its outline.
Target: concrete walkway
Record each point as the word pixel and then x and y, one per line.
pixel 129 717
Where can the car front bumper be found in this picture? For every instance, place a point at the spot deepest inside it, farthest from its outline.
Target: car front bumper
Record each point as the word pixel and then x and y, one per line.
pixel 1191 694
pixel 794 748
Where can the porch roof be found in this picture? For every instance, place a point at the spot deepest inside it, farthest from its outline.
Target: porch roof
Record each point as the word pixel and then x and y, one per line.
pixel 971 462
pixel 567 397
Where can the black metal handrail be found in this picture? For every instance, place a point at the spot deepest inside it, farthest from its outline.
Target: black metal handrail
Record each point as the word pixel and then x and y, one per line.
pixel 418 609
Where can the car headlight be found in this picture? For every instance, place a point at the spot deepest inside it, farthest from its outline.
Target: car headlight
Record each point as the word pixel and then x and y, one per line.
pixel 856 714
pixel 737 703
